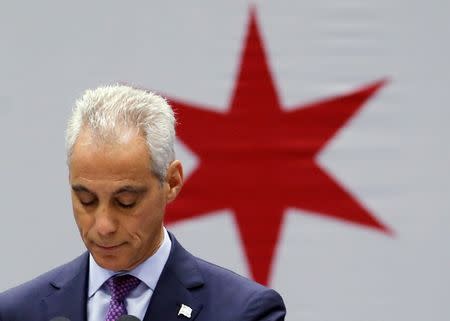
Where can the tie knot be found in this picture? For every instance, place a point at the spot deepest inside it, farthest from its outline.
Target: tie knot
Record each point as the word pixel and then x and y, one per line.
pixel 120 286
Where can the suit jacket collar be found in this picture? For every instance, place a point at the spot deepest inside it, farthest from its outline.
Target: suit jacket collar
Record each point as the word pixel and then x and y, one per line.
pixel 177 284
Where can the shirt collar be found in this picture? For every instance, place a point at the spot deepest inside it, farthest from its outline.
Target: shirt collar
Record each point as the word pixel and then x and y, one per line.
pixel 148 271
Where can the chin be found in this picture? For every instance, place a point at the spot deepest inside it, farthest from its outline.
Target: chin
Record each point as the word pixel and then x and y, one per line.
pixel 112 265
pixel 109 262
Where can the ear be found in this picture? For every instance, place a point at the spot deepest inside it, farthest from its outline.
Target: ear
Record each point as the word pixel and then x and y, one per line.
pixel 174 180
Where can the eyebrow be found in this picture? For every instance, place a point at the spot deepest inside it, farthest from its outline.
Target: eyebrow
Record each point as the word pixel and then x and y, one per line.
pixel 131 189
pixel 80 188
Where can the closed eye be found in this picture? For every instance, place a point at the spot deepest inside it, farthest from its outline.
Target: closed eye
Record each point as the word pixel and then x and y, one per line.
pixel 85 197
pixel 125 205
pixel 88 203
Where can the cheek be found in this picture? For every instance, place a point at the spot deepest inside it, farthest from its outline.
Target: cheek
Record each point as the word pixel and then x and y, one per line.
pixel 84 221
pixel 144 225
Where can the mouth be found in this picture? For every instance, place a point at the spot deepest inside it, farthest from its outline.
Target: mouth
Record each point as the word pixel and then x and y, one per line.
pixel 108 248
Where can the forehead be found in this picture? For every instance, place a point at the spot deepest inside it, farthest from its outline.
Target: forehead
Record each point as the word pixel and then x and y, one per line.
pixel 126 158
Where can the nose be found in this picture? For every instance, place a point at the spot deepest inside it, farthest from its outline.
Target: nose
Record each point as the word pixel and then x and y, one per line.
pixel 105 223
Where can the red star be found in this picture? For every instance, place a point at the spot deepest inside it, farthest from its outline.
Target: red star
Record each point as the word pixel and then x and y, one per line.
pixel 258 159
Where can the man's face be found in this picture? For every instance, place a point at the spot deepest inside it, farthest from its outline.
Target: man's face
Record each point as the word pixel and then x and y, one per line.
pixel 118 203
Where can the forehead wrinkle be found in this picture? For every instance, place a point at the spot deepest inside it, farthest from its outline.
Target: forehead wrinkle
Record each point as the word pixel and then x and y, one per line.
pixel 123 182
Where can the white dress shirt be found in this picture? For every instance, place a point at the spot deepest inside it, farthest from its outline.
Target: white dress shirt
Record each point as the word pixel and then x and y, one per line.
pixel 138 300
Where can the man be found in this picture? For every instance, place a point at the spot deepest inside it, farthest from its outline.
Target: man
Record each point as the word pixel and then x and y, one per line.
pixel 123 173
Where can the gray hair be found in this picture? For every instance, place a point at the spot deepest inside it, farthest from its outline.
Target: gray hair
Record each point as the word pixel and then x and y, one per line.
pixel 108 109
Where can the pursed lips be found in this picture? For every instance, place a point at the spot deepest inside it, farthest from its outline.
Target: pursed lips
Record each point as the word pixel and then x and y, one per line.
pixel 108 247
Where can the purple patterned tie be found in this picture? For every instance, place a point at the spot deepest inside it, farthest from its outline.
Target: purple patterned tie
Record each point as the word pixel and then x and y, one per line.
pixel 119 287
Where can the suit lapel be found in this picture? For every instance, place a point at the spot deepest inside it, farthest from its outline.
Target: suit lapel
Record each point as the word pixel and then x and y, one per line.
pixel 177 284
pixel 68 298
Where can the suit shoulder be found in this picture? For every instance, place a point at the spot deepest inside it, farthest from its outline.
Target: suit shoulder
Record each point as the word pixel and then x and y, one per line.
pixel 222 276
pixel 249 299
pixel 28 289
pixel 37 287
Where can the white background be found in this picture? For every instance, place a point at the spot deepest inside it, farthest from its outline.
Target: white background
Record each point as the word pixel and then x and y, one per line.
pixel 393 156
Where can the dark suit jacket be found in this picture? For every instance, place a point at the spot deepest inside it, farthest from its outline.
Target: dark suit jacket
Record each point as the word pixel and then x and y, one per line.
pixel 214 293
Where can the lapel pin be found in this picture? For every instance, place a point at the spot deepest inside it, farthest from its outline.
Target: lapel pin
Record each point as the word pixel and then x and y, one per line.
pixel 185 310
